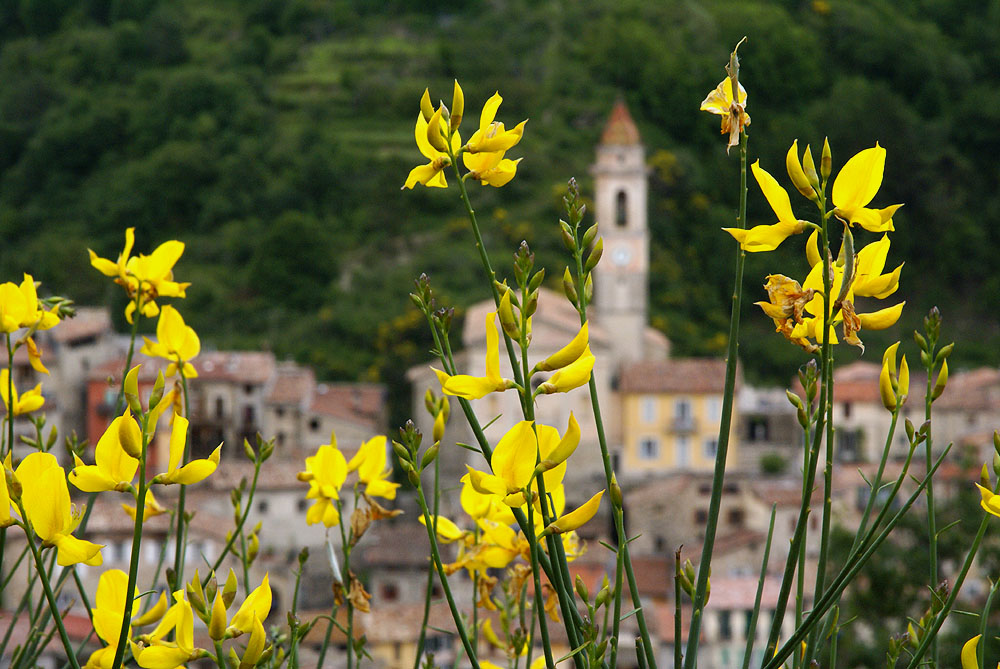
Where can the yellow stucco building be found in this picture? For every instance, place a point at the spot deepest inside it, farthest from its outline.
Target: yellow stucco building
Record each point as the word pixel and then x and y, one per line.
pixel 671 410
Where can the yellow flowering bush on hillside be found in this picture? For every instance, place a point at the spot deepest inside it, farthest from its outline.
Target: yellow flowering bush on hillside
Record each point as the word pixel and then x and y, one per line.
pixel 516 536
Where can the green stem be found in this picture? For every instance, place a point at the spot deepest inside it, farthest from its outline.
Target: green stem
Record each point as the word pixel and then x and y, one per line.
pixel 854 564
pixel 220 657
pixel 429 589
pixel 752 627
pixel 181 522
pixel 932 538
pixel 678 631
pixel 983 619
pixel 238 531
pixel 49 596
pixel 133 567
pixel 345 579
pixel 725 423
pixel 442 577
pixel 877 482
pixel 543 628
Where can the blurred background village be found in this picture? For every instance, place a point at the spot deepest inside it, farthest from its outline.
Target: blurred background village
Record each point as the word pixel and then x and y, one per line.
pixel 272 137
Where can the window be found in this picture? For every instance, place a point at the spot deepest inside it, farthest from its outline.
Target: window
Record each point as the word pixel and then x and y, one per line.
pixel 714 407
pixel 621 209
pixel 683 451
pixel 389 592
pixel 248 389
pixel 757 429
pixel 736 517
pixel 725 626
pixel 849 445
pixel 314 424
pixel 683 416
pixel 700 516
pixel 280 412
pixel 249 415
pixel 710 448
pixel 649 448
pixel 749 617
pixel 659 544
pixel 262 506
pixel 301 505
pixel 220 407
pixel 847 409
pixel 647 406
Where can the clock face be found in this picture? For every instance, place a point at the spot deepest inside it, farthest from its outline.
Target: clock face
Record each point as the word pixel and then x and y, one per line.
pixel 621 255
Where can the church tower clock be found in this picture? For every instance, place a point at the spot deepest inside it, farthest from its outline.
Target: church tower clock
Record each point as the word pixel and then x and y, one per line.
pixel 621 284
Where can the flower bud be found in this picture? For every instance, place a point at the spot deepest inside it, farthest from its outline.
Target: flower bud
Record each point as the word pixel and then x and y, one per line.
pixel 944 352
pixel 507 319
pixel 217 623
pixel 595 255
pixel 248 451
pixel 996 464
pixel 826 159
pixel 430 402
pixel 430 455
pixel 581 589
pixel 439 424
pixel 588 288
pixel 157 394
pixel 809 167
pixel 616 492
pixel 131 388
pixel 211 588
pixel 229 589
pixel 426 108
pixel 589 235
pixel 566 232
pixel 795 400
pixel 536 280
pixel 795 173
pixel 129 435
pixel 941 382
pixel 984 478
pixel 457 106
pixel 434 136
pixel 413 477
pixel 569 287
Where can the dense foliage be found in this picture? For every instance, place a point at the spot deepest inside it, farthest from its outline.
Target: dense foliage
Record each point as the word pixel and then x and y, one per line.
pixel 271 136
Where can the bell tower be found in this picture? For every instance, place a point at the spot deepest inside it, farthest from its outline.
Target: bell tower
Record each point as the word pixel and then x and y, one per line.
pixel 621 282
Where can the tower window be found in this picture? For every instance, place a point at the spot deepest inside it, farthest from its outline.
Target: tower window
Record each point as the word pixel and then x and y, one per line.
pixel 621 210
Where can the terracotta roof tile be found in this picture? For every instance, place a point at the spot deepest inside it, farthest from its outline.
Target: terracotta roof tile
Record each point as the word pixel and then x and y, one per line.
pixel 292 384
pixel 621 129
pixel 240 366
pixel 676 375
pixel 359 402
pixel 88 322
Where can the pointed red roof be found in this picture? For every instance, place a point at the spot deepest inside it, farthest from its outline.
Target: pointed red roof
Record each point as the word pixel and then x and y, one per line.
pixel 621 128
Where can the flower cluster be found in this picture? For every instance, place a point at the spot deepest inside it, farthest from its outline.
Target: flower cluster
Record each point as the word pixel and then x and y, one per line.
pixel 439 141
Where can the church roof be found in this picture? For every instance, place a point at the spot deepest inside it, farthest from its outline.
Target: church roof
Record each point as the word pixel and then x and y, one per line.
pixel 621 129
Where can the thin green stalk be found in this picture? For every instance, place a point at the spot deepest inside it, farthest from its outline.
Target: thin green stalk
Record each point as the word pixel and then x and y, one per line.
pixel 436 559
pixel 543 628
pixel 752 627
pixel 983 619
pixel 932 550
pixel 877 482
pixel 429 589
pixel 931 633
pixel 294 632
pixel 678 631
pixel 133 568
pixel 181 522
pixel 725 423
pixel 854 564
pixel 21 606
pixel 345 579
pixel 238 531
pixel 49 596
pixel 220 657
